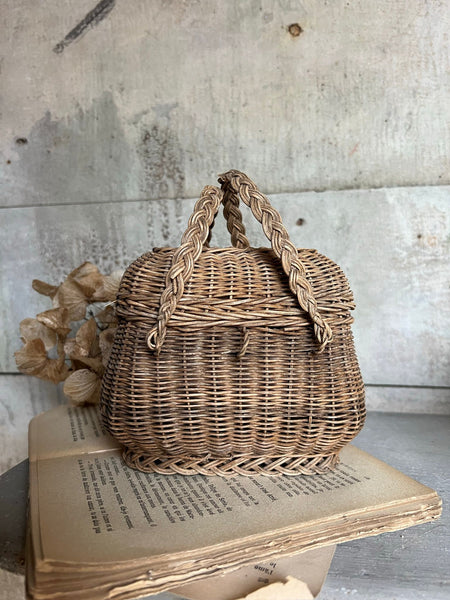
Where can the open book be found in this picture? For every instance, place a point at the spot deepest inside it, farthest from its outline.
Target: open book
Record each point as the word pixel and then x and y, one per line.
pixel 99 529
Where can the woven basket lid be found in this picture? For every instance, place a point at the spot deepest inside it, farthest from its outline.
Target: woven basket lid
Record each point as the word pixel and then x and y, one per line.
pixel 234 286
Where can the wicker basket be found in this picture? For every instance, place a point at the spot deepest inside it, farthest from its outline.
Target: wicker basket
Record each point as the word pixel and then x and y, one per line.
pixel 233 360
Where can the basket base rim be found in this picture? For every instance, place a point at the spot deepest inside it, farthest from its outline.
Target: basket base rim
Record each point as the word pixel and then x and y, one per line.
pixel 231 465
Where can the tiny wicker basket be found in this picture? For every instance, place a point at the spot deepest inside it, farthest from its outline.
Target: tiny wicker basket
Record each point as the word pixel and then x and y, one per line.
pixel 233 360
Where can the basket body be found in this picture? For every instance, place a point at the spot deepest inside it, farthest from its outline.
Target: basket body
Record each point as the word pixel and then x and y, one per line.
pixel 238 385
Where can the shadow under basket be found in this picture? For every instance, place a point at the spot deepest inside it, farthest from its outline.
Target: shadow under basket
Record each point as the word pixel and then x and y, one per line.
pixel 233 360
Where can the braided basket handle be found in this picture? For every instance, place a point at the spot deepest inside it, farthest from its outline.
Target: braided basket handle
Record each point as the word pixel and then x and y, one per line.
pixel 183 261
pixel 233 217
pixel 235 185
pixel 270 219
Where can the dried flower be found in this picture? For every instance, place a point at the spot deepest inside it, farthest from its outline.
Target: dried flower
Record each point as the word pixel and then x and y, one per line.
pixel 71 297
pixel 82 293
pixel 56 319
pixel 83 387
pixel 44 288
pixel 85 342
pixel 106 317
pixel 94 364
pixel 32 359
pixel 31 329
pixel 88 277
pixel 107 291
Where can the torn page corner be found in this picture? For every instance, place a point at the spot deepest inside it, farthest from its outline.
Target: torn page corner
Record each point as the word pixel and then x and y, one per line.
pixel 290 589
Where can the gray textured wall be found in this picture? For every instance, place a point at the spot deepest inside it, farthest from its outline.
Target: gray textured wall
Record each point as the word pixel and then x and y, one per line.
pixel 114 116
pixel 154 98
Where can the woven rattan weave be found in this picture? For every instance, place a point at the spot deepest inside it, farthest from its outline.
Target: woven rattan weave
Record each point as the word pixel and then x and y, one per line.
pixel 233 360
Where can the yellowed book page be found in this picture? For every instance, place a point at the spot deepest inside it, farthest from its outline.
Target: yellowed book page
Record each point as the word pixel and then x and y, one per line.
pixel 310 568
pixel 68 430
pixel 113 513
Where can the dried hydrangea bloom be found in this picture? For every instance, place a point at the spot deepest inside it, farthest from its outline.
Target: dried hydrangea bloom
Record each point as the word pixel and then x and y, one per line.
pixel 84 285
pixel 84 350
pixel 46 289
pixel 85 342
pixel 83 387
pixel 107 291
pixel 94 364
pixel 32 329
pixel 56 319
pixel 32 359
pixel 81 293
pixel 71 297
pixel 106 317
pixel 87 277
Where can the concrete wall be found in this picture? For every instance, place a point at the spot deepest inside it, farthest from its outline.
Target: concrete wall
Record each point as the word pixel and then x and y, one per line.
pixel 114 116
pixel 154 98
